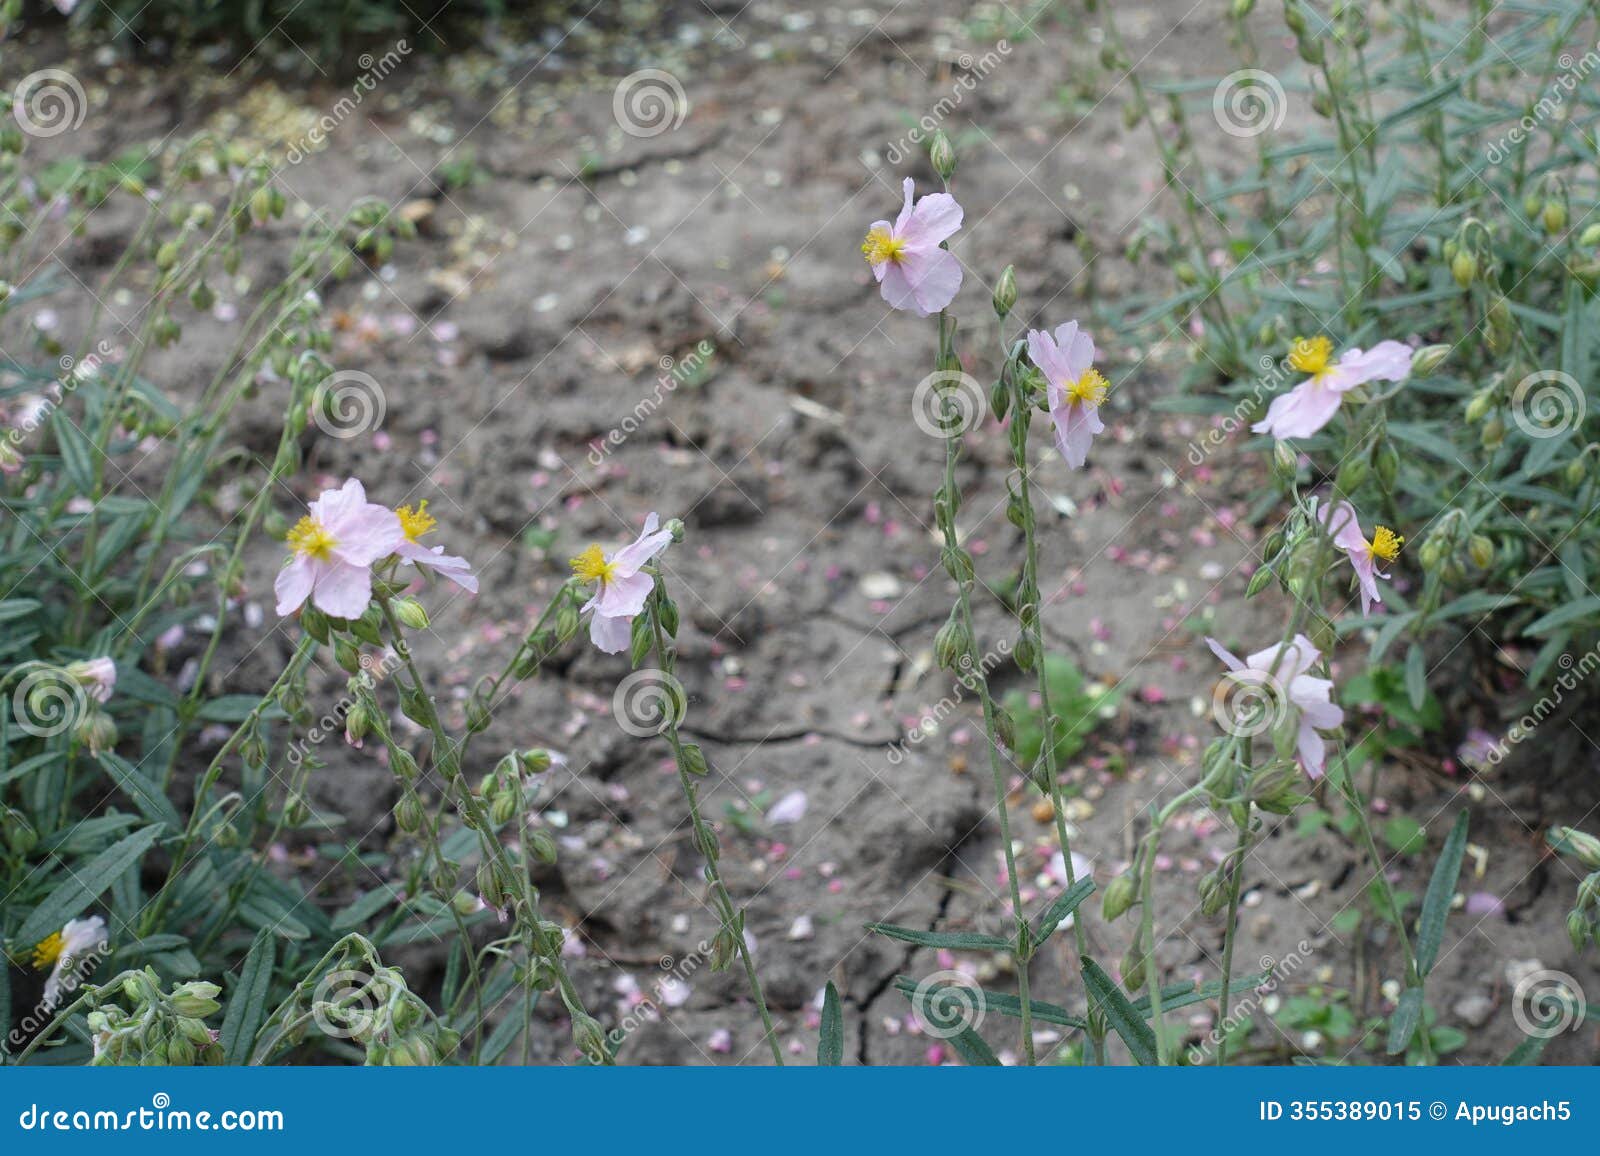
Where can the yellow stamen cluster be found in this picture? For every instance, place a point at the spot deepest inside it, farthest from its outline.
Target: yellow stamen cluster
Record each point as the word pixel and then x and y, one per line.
pixel 591 566
pixel 48 951
pixel 310 538
pixel 1386 543
pixel 1311 354
pixel 416 522
pixel 882 245
pixel 1090 389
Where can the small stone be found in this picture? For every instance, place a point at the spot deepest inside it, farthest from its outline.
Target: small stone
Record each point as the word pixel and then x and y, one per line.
pixel 1474 1009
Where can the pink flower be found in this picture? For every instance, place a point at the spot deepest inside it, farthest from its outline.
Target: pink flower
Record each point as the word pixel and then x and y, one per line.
pixel 1340 522
pixel 334 547
pixel 1311 405
pixel 413 524
pixel 1284 670
pixel 622 589
pixel 1074 389
pixel 98 676
pixel 915 273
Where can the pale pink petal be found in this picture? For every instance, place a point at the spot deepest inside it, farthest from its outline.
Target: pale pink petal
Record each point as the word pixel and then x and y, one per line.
pixel 611 635
pixel 936 218
pixel 1050 360
pixel 458 570
pixel 1366 579
pixel 908 189
pixel 623 597
pixel 1076 426
pixel 1076 348
pixel 333 505
pixel 897 289
pixel 364 535
pixel 934 277
pixel 1301 412
pixel 1314 698
pixel 1229 660
pixel 342 591
pixel 646 546
pixel 789 809
pixel 1385 361
pixel 1340 520
pixel 1313 751
pixel 293 584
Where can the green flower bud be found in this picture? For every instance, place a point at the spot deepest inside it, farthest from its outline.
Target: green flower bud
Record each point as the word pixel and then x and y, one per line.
pixel 1427 359
pixel 410 613
pixel 534 761
pixel 504 807
pixel 196 998
pixel 1577 930
pixel 1478 408
pixel 1134 966
pixel 1352 474
pixel 1464 268
pixel 1005 291
pixel 346 654
pixel 409 814
pixel 1387 462
pixel 1584 847
pixel 1259 581
pixel 1481 550
pixel 1120 896
pixel 942 155
pixel 542 846
pixel 1554 217
pixel 693 760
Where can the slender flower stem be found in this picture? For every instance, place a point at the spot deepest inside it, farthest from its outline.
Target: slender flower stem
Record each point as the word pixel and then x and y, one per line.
pixel 705 838
pixel 1231 933
pixel 1031 621
pixel 959 565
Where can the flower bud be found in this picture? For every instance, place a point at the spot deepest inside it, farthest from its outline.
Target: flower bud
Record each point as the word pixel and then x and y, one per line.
pixel 1584 847
pixel 1481 550
pixel 1352 474
pixel 1259 581
pixel 588 1037
pixel 1429 358
pixel 410 613
pixel 693 760
pixel 409 814
pixel 1285 462
pixel 1121 894
pixel 504 807
pixel 1213 895
pixel 542 846
pixel 1464 268
pixel 1005 291
pixel 1554 216
pixel 1133 968
pixel 196 998
pixel 1387 462
pixel 1494 433
pixel 952 642
pixel 534 761
pixel 1577 930
pixel 97 731
pixel 347 655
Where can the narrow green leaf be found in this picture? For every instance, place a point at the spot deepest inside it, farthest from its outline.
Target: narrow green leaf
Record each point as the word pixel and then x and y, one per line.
pixel 830 1047
pixel 1403 1023
pixel 1441 888
pixel 147 796
pixel 973 1049
pixel 954 940
pixel 247 1003
pixel 1064 906
pixel 507 1031
pixel 1416 677
pixel 1009 1005
pixel 77 451
pixel 1177 995
pixel 1123 1017
pixel 1527 1053
pixel 84 885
